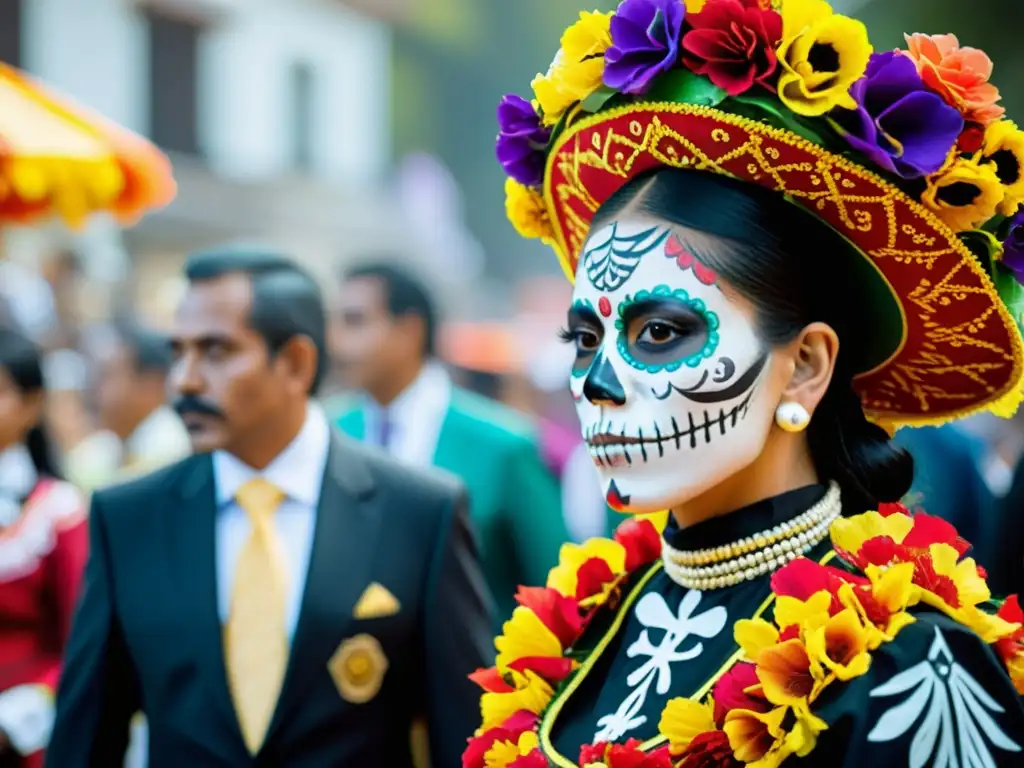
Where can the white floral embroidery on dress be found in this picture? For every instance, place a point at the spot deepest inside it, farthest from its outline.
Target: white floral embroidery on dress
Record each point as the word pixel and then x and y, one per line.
pixel 653 612
pixel 956 711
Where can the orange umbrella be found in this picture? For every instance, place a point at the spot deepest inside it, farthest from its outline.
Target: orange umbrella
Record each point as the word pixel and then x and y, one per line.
pixel 60 159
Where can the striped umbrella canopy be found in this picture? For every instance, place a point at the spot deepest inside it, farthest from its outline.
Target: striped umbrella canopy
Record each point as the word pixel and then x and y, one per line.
pixel 60 159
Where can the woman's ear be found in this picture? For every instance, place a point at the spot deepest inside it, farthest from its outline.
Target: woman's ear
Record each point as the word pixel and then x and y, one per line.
pixel 814 362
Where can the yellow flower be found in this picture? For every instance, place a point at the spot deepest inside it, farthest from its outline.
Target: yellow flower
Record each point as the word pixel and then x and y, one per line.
pixel 822 54
pixel 524 636
pixel 684 719
pixel 1004 150
pixel 808 614
pixel 531 693
pixel 694 6
pixel 970 587
pixel 526 210
pixel 504 753
pixel 754 636
pixel 849 533
pixel 562 577
pixel 839 647
pixel 965 195
pixel 892 591
pixel 576 70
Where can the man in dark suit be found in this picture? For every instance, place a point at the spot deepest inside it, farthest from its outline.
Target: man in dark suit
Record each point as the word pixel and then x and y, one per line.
pixel 285 597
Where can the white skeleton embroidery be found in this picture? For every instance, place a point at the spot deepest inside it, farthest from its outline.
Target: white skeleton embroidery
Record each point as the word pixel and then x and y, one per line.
pixel 956 712
pixel 653 612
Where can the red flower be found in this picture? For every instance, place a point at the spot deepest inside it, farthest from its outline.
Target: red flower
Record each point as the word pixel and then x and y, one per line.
pixel 733 43
pixel 558 613
pixel 730 691
pixel 972 139
pixel 510 730
pixel 592 577
pixel 709 750
pixel 491 681
pixel 628 755
pixel 1010 646
pixel 892 508
pixel 641 541
pixel 552 669
pixel 936 583
pixel 535 759
pixel 803 578
pixel 929 530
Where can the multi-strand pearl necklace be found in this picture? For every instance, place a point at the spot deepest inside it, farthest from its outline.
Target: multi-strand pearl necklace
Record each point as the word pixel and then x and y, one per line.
pixel 756 555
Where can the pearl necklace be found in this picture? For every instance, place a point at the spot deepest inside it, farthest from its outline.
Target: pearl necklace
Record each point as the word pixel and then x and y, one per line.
pixel 756 555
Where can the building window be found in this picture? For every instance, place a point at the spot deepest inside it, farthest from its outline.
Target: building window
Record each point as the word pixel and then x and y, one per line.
pixel 302 84
pixel 173 81
pixel 10 32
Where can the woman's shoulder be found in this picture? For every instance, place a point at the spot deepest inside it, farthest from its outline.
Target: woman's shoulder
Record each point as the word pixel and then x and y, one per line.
pixel 894 653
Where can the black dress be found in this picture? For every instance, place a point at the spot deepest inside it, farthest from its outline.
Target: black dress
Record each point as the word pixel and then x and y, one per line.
pixel 936 695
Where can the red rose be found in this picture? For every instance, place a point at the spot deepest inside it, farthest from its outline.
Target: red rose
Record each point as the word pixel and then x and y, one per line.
pixel 733 43
pixel 709 750
pixel 972 139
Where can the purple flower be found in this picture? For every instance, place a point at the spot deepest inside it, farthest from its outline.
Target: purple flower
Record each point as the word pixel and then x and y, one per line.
pixel 899 123
pixel 1013 246
pixel 521 141
pixel 645 42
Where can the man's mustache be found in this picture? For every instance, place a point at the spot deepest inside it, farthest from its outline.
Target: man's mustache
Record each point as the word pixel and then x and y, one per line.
pixel 190 404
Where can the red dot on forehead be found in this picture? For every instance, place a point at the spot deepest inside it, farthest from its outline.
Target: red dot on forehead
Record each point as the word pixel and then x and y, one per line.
pixel 604 306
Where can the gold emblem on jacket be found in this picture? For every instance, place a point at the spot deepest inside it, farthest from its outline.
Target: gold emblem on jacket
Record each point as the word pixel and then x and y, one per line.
pixel 358 668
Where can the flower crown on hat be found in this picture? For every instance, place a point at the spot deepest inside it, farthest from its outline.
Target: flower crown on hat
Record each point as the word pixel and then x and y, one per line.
pixel 925 118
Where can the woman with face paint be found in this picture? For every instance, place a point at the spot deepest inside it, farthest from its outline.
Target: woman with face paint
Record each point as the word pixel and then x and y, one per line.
pixel 784 247
pixel 43 548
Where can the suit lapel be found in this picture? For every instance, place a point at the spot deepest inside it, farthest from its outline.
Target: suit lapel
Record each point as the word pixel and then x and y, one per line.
pixel 347 526
pixel 192 538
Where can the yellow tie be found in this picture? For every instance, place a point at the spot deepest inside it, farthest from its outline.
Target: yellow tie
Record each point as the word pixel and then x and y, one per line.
pixel 256 641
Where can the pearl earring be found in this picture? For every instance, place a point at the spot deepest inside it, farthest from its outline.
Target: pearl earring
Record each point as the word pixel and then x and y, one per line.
pixel 792 417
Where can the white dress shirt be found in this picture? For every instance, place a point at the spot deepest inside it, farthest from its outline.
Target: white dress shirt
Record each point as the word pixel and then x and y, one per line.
pixel 298 471
pixel 416 417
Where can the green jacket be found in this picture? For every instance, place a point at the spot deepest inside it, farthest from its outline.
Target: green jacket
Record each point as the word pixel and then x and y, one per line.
pixel 515 501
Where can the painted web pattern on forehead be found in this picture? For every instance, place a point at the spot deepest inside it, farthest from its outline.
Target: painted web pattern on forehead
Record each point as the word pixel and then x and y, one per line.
pixel 610 262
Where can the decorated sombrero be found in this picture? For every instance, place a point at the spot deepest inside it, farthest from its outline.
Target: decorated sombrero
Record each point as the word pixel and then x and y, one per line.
pixel 906 154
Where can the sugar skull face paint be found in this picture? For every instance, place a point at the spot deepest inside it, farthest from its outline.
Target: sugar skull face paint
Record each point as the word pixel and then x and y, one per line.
pixel 670 374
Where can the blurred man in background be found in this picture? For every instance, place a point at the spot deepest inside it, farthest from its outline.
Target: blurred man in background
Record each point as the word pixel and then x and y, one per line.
pixel 138 431
pixel 284 596
pixel 386 343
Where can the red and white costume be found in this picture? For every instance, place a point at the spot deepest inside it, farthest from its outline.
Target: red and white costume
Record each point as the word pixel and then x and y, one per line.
pixel 43 549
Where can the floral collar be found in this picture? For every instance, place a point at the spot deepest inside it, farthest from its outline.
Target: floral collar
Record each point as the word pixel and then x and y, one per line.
pixel 761 711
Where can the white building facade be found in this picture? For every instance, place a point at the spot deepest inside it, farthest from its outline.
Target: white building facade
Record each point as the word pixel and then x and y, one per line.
pixel 275 113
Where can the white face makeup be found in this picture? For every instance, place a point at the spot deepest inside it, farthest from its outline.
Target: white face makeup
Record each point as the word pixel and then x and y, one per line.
pixel 669 377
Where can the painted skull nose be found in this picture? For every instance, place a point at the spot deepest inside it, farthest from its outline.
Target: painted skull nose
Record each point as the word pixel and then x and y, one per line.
pixel 602 386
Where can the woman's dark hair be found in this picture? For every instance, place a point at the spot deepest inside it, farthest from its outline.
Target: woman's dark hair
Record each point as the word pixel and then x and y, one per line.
pixel 23 361
pixel 795 270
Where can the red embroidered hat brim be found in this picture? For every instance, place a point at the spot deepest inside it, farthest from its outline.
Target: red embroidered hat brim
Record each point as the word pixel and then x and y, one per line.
pixel 955 348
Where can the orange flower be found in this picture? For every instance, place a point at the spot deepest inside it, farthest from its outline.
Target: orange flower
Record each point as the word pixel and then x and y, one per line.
pixel 683 720
pixel 785 673
pixel 752 735
pixel 959 75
